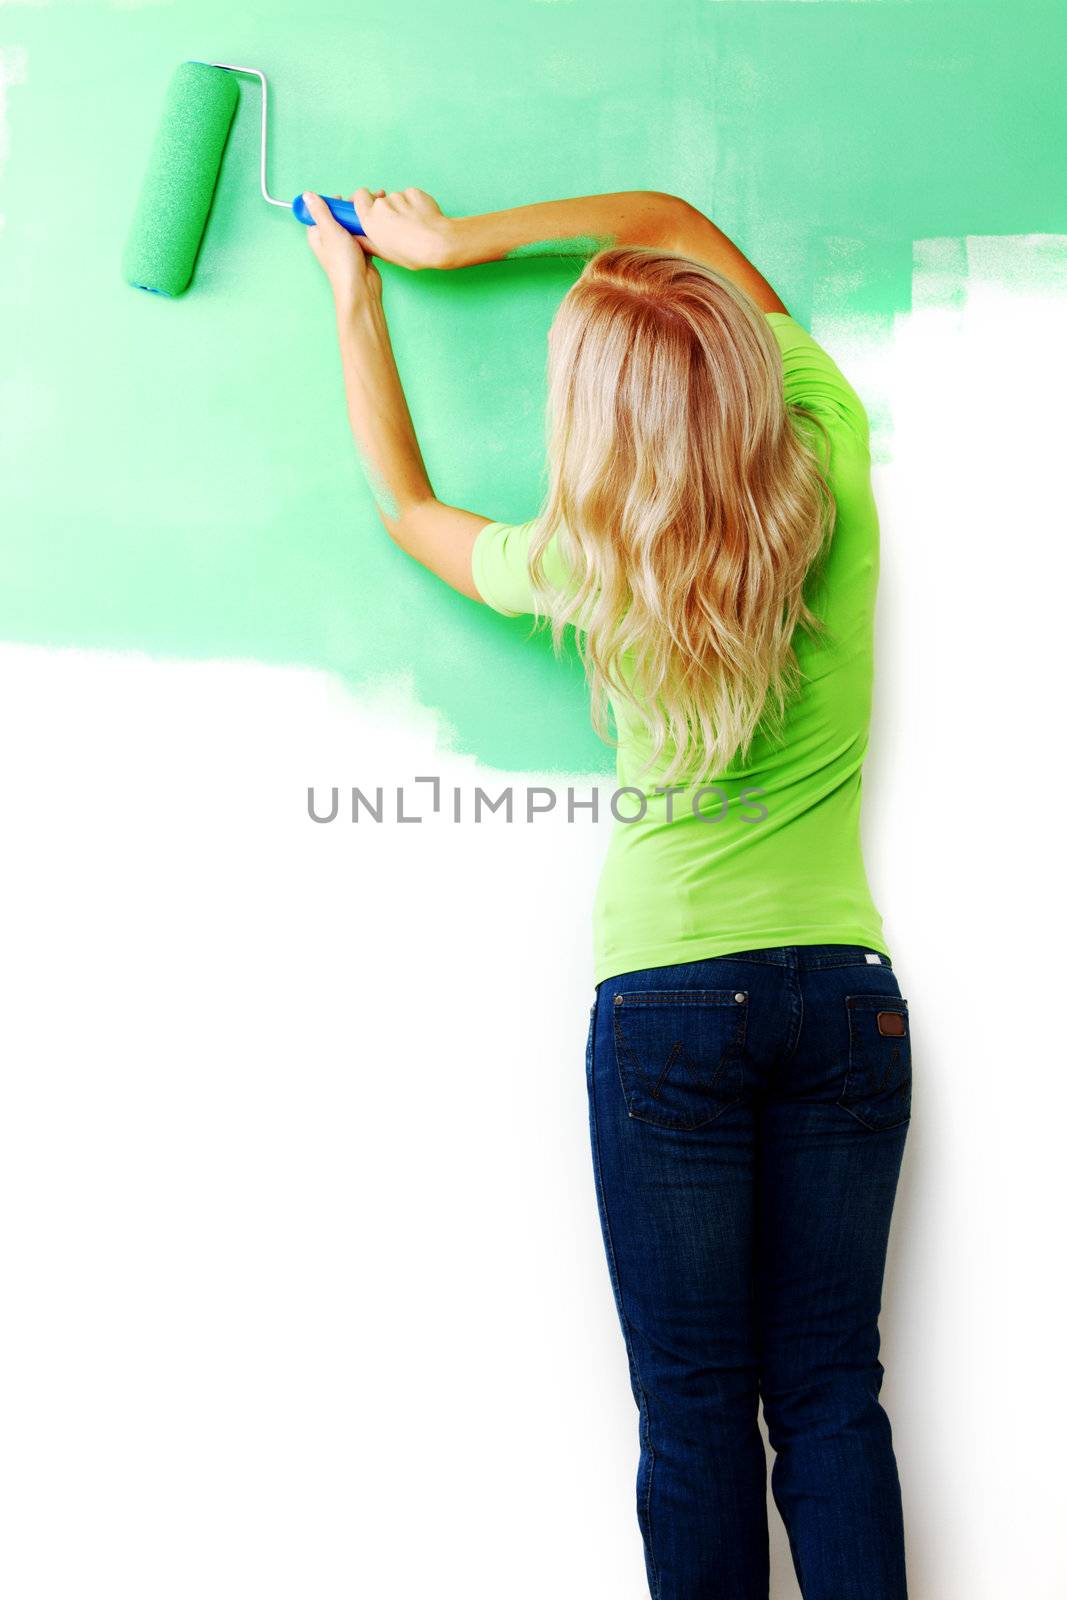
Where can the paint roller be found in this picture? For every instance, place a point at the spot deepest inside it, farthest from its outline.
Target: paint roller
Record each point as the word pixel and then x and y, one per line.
pixel 176 195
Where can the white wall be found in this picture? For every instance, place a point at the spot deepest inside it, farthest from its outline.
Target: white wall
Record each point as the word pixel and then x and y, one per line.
pixel 303 1283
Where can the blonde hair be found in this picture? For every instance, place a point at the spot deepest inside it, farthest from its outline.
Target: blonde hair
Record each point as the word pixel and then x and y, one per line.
pixel 688 508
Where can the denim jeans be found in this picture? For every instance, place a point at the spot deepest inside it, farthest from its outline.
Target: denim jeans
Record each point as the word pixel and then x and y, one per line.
pixel 748 1115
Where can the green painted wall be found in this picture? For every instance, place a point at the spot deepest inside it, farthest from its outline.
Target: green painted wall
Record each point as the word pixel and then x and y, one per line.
pixel 178 477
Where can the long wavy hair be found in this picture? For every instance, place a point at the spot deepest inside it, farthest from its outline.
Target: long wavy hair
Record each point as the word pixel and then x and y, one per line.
pixel 687 506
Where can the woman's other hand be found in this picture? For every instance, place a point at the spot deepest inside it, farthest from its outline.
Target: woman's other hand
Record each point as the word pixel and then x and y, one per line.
pixel 407 227
pixel 341 255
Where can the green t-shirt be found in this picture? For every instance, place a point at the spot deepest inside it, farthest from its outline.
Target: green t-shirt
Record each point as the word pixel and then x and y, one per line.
pixel 706 873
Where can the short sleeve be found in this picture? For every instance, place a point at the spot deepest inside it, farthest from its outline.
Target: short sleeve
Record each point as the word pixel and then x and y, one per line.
pixel 814 380
pixel 500 566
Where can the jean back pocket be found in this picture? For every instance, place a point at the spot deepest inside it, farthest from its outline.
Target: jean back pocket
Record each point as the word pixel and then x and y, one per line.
pixel 877 1086
pixel 679 1053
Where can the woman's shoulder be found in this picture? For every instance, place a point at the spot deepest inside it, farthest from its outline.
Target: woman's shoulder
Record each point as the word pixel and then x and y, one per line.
pixel 500 565
pixel 814 381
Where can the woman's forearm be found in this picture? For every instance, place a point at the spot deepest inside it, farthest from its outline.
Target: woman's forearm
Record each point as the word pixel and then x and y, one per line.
pixel 565 227
pixel 378 411
pixel 594 222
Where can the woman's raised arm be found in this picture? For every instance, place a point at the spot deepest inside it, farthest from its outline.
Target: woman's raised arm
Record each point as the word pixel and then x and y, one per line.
pixel 439 536
pixel 409 228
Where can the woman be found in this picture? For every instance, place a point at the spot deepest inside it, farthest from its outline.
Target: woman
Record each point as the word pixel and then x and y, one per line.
pixel 710 532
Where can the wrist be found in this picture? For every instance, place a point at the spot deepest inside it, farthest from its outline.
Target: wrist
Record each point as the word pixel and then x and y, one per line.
pixel 450 249
pixel 359 306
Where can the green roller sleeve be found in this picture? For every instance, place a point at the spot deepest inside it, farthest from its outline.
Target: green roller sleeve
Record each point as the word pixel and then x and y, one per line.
pixel 178 186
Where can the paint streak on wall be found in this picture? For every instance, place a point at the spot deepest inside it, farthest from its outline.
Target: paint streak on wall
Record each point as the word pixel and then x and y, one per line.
pixel 12 72
pixel 203 497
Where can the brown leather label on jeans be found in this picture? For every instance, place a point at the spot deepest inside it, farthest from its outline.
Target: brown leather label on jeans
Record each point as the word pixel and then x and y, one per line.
pixel 891 1024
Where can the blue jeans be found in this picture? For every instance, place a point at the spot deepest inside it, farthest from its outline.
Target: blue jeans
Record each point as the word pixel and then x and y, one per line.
pixel 748 1115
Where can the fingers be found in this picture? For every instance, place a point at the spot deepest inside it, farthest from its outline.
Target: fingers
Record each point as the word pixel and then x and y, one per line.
pixel 363 200
pixel 395 199
pixel 320 211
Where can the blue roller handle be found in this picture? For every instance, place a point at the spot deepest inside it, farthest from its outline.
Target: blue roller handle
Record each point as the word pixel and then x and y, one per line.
pixel 343 210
